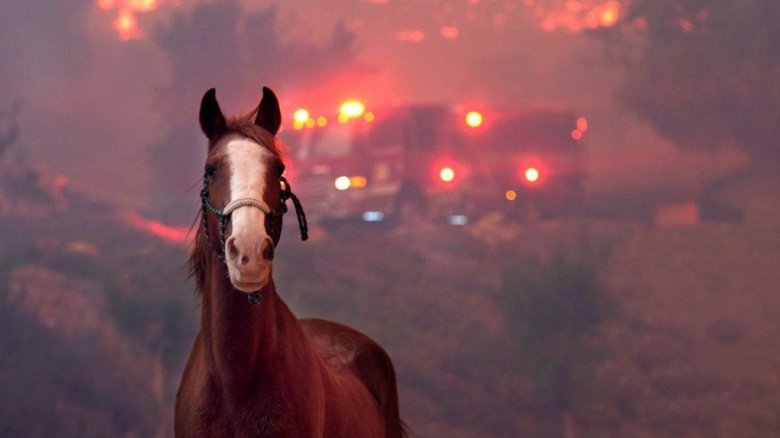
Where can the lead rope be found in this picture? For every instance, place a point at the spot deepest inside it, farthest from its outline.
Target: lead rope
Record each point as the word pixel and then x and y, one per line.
pixel 206 207
pixel 302 224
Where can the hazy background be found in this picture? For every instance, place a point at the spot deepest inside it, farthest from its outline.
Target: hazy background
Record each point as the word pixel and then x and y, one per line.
pixel 114 109
pixel 100 155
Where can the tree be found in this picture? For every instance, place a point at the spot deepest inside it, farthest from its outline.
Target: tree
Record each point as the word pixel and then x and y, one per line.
pixel 703 72
pixel 553 308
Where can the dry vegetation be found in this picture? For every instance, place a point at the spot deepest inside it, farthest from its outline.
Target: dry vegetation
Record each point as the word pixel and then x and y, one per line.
pixel 646 331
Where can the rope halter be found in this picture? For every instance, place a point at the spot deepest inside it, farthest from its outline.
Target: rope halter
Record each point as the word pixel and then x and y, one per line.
pixel 272 216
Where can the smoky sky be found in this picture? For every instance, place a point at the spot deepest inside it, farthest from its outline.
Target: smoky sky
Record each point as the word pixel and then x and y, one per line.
pixel 41 38
pixel 218 45
pixel 119 118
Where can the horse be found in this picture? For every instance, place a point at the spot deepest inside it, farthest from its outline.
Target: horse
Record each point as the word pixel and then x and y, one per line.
pixel 255 369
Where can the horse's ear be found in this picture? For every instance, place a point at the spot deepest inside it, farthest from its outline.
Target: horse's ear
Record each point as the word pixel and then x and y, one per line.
pixel 212 122
pixel 269 116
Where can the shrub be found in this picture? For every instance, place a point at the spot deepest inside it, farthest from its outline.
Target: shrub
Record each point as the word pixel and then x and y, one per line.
pixel 552 306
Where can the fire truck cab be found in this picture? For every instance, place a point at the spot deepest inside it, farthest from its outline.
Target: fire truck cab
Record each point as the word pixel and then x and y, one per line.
pixel 440 163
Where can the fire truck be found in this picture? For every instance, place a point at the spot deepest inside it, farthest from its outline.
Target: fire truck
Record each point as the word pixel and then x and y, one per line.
pixel 437 162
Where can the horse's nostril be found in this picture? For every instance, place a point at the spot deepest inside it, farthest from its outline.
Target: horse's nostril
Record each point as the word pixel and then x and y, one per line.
pixel 233 249
pixel 268 251
pixel 244 260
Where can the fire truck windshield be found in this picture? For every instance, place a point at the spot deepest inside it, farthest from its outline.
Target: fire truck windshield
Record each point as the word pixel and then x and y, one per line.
pixel 335 141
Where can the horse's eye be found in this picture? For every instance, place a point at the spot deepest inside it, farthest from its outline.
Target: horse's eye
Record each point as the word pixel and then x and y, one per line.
pixel 211 170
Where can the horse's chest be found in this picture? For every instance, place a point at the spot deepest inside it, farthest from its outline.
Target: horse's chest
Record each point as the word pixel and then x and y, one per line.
pixel 270 416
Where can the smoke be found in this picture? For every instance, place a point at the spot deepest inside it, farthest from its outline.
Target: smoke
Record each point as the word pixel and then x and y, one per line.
pixel 40 43
pixel 219 45
pixel 119 118
pixel 86 95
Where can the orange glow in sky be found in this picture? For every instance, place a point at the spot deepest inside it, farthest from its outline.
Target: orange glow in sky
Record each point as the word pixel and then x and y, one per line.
pixel 126 26
pixel 576 15
pixel 125 23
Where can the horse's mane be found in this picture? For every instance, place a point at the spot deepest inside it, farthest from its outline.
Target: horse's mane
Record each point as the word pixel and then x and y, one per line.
pixel 244 126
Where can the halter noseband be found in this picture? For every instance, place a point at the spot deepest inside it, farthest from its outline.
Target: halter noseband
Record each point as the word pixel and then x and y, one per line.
pixel 270 214
pixel 246 202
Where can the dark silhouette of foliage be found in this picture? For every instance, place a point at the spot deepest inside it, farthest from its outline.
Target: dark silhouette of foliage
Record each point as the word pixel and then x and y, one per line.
pixel 552 307
pixel 219 45
pixel 703 72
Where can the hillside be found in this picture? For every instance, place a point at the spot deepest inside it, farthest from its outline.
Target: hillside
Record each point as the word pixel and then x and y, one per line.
pixel 570 328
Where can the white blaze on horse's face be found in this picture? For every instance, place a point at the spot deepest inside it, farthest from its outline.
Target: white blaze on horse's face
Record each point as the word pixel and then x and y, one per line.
pixel 249 249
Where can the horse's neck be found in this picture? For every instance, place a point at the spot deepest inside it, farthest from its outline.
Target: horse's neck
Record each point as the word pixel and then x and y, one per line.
pixel 248 344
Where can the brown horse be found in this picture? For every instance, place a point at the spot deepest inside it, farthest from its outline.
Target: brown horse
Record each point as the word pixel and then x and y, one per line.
pixel 256 370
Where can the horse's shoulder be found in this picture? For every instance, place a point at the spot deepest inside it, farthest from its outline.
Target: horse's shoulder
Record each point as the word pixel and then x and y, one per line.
pixel 333 334
pixel 345 349
pixel 342 344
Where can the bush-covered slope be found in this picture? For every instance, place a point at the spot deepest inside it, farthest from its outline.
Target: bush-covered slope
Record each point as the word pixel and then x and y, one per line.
pixel 575 328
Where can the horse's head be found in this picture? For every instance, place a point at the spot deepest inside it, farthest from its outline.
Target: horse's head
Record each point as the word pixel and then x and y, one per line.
pixel 244 192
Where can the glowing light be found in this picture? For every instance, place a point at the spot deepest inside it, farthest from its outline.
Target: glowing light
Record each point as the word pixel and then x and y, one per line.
pixel 576 15
pixel 582 124
pixel 301 115
pixel 610 14
pixel 358 182
pixel 474 119
pixel 143 5
pixel 531 174
pixel 168 233
pixel 686 25
pixel 310 123
pixel 125 24
pixel 447 174
pixel 510 195
pixel 410 36
pixel 369 116
pixel 322 121
pixel 449 32
pixel 342 183
pixel 603 15
pixel 458 220
pixel 576 134
pixel 373 216
pixel 352 109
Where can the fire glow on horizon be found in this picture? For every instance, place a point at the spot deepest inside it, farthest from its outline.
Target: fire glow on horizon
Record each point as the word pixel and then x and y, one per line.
pixel 575 15
pixel 553 15
pixel 172 234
